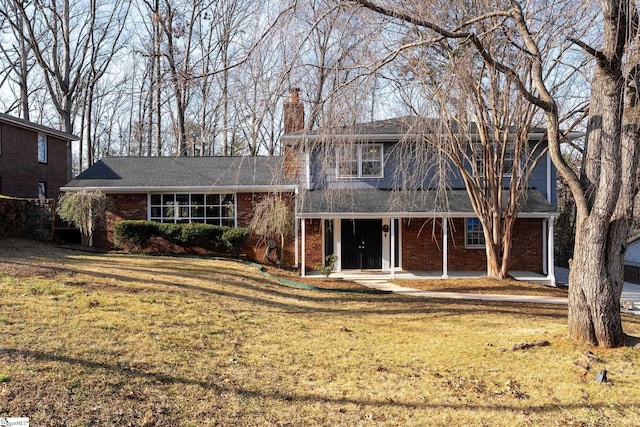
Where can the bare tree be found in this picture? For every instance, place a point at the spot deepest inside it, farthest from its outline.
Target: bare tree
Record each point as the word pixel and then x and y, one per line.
pixel 603 189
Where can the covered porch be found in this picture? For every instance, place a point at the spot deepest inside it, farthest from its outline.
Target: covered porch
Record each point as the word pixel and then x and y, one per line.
pixel 371 238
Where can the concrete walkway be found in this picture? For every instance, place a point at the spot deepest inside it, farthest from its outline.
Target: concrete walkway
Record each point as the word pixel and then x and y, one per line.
pixel 630 293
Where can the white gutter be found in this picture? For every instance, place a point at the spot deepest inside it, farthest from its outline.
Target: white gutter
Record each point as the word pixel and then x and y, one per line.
pixel 195 189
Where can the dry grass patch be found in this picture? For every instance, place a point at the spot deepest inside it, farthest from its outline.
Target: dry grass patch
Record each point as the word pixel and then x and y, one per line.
pixel 483 285
pixel 120 339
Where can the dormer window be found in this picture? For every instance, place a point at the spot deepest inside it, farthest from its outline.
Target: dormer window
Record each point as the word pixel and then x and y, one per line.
pixel 360 161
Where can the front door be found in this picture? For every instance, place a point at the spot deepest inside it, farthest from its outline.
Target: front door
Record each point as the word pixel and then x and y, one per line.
pixel 361 243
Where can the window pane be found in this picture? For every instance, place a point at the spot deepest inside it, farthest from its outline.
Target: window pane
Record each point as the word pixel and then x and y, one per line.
pixel 371 169
pixel 347 168
pixel 167 199
pixel 42 148
pixel 156 199
pixel 213 212
pixel 228 199
pixel 228 222
pixel 182 199
pixel 227 212
pixel 167 212
pixel 197 211
pixel 197 199
pixel 213 199
pixel 156 212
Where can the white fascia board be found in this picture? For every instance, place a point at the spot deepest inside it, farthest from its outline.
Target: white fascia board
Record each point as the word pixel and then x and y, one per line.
pixel 376 215
pixel 209 189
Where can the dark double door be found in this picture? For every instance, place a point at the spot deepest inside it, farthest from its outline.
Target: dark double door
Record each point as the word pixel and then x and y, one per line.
pixel 361 243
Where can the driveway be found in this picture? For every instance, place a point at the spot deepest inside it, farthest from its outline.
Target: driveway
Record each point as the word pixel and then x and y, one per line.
pixel 630 291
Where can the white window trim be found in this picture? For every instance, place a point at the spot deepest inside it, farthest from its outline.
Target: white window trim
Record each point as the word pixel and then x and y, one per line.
pixel 359 148
pixel 466 240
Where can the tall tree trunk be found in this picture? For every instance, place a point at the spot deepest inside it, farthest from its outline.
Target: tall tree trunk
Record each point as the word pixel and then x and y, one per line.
pixel 596 277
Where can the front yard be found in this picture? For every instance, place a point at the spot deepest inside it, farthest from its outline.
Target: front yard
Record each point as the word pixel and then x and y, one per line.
pixel 97 339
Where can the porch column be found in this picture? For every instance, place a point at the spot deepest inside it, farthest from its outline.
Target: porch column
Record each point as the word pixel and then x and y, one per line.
pixel 545 256
pixel 304 248
pixel 297 241
pixel 550 250
pixel 392 256
pixel 445 257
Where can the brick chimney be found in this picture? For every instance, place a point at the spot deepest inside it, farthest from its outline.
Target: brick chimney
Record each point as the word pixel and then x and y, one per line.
pixel 293 111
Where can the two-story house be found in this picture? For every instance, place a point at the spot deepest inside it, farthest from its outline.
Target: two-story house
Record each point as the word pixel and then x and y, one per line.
pixel 347 201
pixel 35 160
pixel 356 204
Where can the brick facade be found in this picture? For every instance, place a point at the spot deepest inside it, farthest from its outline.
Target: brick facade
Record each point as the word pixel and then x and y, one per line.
pixel 422 246
pixel 134 207
pixel 256 245
pixel 20 171
pixel 313 243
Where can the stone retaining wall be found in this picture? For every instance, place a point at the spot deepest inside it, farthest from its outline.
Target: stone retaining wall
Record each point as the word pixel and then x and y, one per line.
pixel 31 218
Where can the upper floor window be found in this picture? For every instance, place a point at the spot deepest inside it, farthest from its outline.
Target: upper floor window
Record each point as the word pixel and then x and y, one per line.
pixel 360 161
pixel 473 234
pixel 509 157
pixel 42 148
pixel 215 209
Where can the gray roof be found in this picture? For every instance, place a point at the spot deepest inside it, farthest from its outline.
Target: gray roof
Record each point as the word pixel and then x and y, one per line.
pixel 391 129
pixel 139 174
pixel 26 124
pixel 374 202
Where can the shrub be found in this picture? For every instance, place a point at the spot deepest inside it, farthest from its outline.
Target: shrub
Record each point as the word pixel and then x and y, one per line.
pixel 234 238
pixel 135 233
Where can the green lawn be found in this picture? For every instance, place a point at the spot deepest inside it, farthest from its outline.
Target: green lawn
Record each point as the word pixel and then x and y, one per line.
pixel 95 339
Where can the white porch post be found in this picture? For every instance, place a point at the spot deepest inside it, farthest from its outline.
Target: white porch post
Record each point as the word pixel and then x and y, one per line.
pixel 550 250
pixel 296 250
pixel 392 255
pixel 304 248
pixel 545 257
pixel 445 232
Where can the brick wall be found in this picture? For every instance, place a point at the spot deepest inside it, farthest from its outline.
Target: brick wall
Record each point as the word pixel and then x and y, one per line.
pixel 120 207
pixel 20 171
pixel 255 246
pixel 313 244
pixel 134 207
pixel 422 246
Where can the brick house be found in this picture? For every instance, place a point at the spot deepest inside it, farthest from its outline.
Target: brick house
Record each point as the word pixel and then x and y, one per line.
pixel 35 160
pixel 211 190
pixel 349 206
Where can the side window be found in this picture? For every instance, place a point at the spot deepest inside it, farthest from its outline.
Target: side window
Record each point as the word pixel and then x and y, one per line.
pixel 42 190
pixel 42 148
pixel 473 234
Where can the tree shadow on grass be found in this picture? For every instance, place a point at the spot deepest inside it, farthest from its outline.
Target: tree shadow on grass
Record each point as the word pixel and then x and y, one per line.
pixel 156 377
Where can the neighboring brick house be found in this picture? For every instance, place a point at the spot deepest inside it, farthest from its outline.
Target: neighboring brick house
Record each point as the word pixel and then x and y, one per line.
pixel 352 208
pixel 35 160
